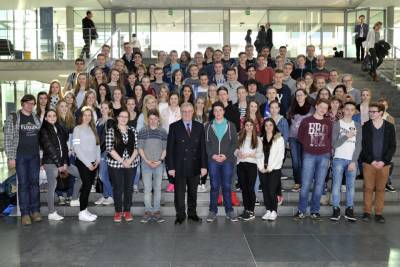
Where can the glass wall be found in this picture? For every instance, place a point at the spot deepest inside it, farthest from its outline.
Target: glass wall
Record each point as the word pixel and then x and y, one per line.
pixel 206 29
pixel 241 21
pixel 332 32
pixel 169 30
pixel 143 30
pixel 314 29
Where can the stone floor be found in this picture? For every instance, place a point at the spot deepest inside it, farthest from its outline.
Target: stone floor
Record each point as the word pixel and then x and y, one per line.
pixel 222 243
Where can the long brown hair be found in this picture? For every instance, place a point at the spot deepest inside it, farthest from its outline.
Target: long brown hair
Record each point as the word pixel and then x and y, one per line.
pixel 69 119
pixel 78 86
pixel 242 134
pixel 258 114
pixel 91 124
pixel 60 94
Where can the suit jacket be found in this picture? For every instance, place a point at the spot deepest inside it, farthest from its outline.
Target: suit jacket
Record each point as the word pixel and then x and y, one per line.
pixel 357 29
pixel 186 154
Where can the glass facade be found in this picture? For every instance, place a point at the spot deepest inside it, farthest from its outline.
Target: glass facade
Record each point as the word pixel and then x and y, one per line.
pixel 190 29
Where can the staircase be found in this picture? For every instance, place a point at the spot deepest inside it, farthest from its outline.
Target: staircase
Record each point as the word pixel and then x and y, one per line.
pixel 289 207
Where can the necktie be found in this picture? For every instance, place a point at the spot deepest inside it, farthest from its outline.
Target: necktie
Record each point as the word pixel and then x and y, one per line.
pixel 188 129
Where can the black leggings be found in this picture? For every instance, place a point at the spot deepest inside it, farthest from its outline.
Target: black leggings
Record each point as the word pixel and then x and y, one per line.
pixel 121 181
pixel 87 177
pixel 270 183
pixel 247 174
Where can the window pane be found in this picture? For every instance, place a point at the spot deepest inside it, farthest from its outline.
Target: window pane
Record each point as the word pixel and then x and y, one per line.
pixel 333 32
pixel 313 29
pixel 207 29
pixel 351 46
pixel 143 30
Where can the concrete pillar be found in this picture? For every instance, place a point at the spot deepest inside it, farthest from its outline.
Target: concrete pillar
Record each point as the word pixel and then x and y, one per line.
pixel 226 27
pixel 390 24
pixel 69 12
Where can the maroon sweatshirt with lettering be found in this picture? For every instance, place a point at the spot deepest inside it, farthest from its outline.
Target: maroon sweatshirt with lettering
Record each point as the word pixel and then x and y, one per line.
pixel 316 135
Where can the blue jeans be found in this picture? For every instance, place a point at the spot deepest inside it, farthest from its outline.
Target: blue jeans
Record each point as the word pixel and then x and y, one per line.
pixel 315 168
pixel 220 176
pixel 104 176
pixel 296 149
pixel 28 168
pixel 340 166
pixel 152 178
pixel 136 177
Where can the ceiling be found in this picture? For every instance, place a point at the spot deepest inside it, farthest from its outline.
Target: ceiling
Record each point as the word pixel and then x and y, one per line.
pixel 30 4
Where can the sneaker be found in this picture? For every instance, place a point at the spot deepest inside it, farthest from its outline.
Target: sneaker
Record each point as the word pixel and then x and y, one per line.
pixel 324 201
pixel 231 216
pixel 379 219
pixel 242 215
pixel 67 201
pixel 100 201
pixel 390 188
pixel 204 188
pixel 299 215
pixel 157 217
pixel 108 201
pixel 366 217
pixel 343 188
pixel 135 189
pixel 118 217
pixel 61 201
pixel 248 216
pixel 91 214
pixel 284 177
pixel 266 215
pixel 85 216
pixel 93 189
pixel 260 189
pixel 280 200
pixel 273 216
pixel 257 203
pixel 146 217
pixel 349 214
pixel 75 203
pixel 211 217
pixel 170 188
pixel 201 188
pixel 54 216
pixel 316 217
pixel 36 217
pixel 335 215
pixel 237 187
pixel 128 216
pixel 252 215
pixel 296 188
pixel 26 220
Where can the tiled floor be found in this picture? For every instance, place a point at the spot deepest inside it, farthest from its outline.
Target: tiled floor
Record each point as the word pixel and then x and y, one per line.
pixel 258 243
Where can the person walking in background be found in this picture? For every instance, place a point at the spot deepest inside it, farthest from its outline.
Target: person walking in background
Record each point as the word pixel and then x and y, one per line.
pixel 89 33
pixel 361 31
pixel 261 40
pixel 370 44
pixel 187 161
pixel 269 42
pixel 21 142
pixel 248 37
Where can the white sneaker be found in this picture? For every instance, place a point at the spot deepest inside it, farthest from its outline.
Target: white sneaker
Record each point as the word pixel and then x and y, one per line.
pixel 54 216
pixel 135 189
pixel 91 214
pixel 93 190
pixel 284 177
pixel 343 188
pixel 99 201
pixel 108 201
pixel 272 216
pixel 84 216
pixel 61 201
pixel 201 188
pixel 75 203
pixel 266 215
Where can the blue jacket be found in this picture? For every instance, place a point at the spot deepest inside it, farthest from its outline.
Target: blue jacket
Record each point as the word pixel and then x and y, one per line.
pixel 357 29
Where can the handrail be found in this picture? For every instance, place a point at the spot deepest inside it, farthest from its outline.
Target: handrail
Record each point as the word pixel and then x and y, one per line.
pixel 92 58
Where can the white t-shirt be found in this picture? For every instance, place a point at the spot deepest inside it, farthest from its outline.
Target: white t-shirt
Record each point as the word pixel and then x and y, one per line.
pixel 346 150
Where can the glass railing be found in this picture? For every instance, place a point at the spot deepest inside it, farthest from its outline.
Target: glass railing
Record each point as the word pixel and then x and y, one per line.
pixel 50 44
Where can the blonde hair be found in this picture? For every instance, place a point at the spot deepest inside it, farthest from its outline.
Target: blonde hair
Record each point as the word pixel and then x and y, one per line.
pixel 69 117
pixel 78 86
pixel 89 92
pixel 60 94
pixel 145 110
pixel 71 94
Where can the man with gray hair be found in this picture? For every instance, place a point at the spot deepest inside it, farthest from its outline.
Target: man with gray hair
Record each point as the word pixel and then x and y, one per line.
pixel 186 161
pixel 347 80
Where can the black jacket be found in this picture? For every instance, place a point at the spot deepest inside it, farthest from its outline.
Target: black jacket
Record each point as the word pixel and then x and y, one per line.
pixel 232 114
pixel 186 154
pixel 389 142
pixel 89 29
pixel 53 143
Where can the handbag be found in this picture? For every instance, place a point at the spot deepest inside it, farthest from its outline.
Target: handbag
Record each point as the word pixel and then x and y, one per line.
pixel 99 185
pixel 366 64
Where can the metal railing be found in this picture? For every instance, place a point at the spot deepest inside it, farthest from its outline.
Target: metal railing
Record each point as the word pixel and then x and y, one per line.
pixel 390 68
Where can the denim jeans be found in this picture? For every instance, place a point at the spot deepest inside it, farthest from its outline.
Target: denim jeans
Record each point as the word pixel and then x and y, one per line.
pixel 152 178
pixel 136 177
pixel 296 149
pixel 315 168
pixel 104 176
pixel 220 176
pixel 28 168
pixel 340 166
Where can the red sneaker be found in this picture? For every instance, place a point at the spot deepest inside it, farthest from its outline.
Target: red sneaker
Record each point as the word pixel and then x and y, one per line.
pixel 128 216
pixel 235 200
pixel 117 217
pixel 170 188
pixel 219 200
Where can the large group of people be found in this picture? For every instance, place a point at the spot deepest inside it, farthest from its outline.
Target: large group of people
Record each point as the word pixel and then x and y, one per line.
pixel 187 120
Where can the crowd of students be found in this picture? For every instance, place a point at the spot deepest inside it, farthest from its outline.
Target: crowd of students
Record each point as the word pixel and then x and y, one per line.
pixel 124 121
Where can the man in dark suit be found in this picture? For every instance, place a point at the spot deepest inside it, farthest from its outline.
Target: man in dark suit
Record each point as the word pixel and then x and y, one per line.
pixel 89 33
pixel 361 31
pixel 269 42
pixel 186 161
